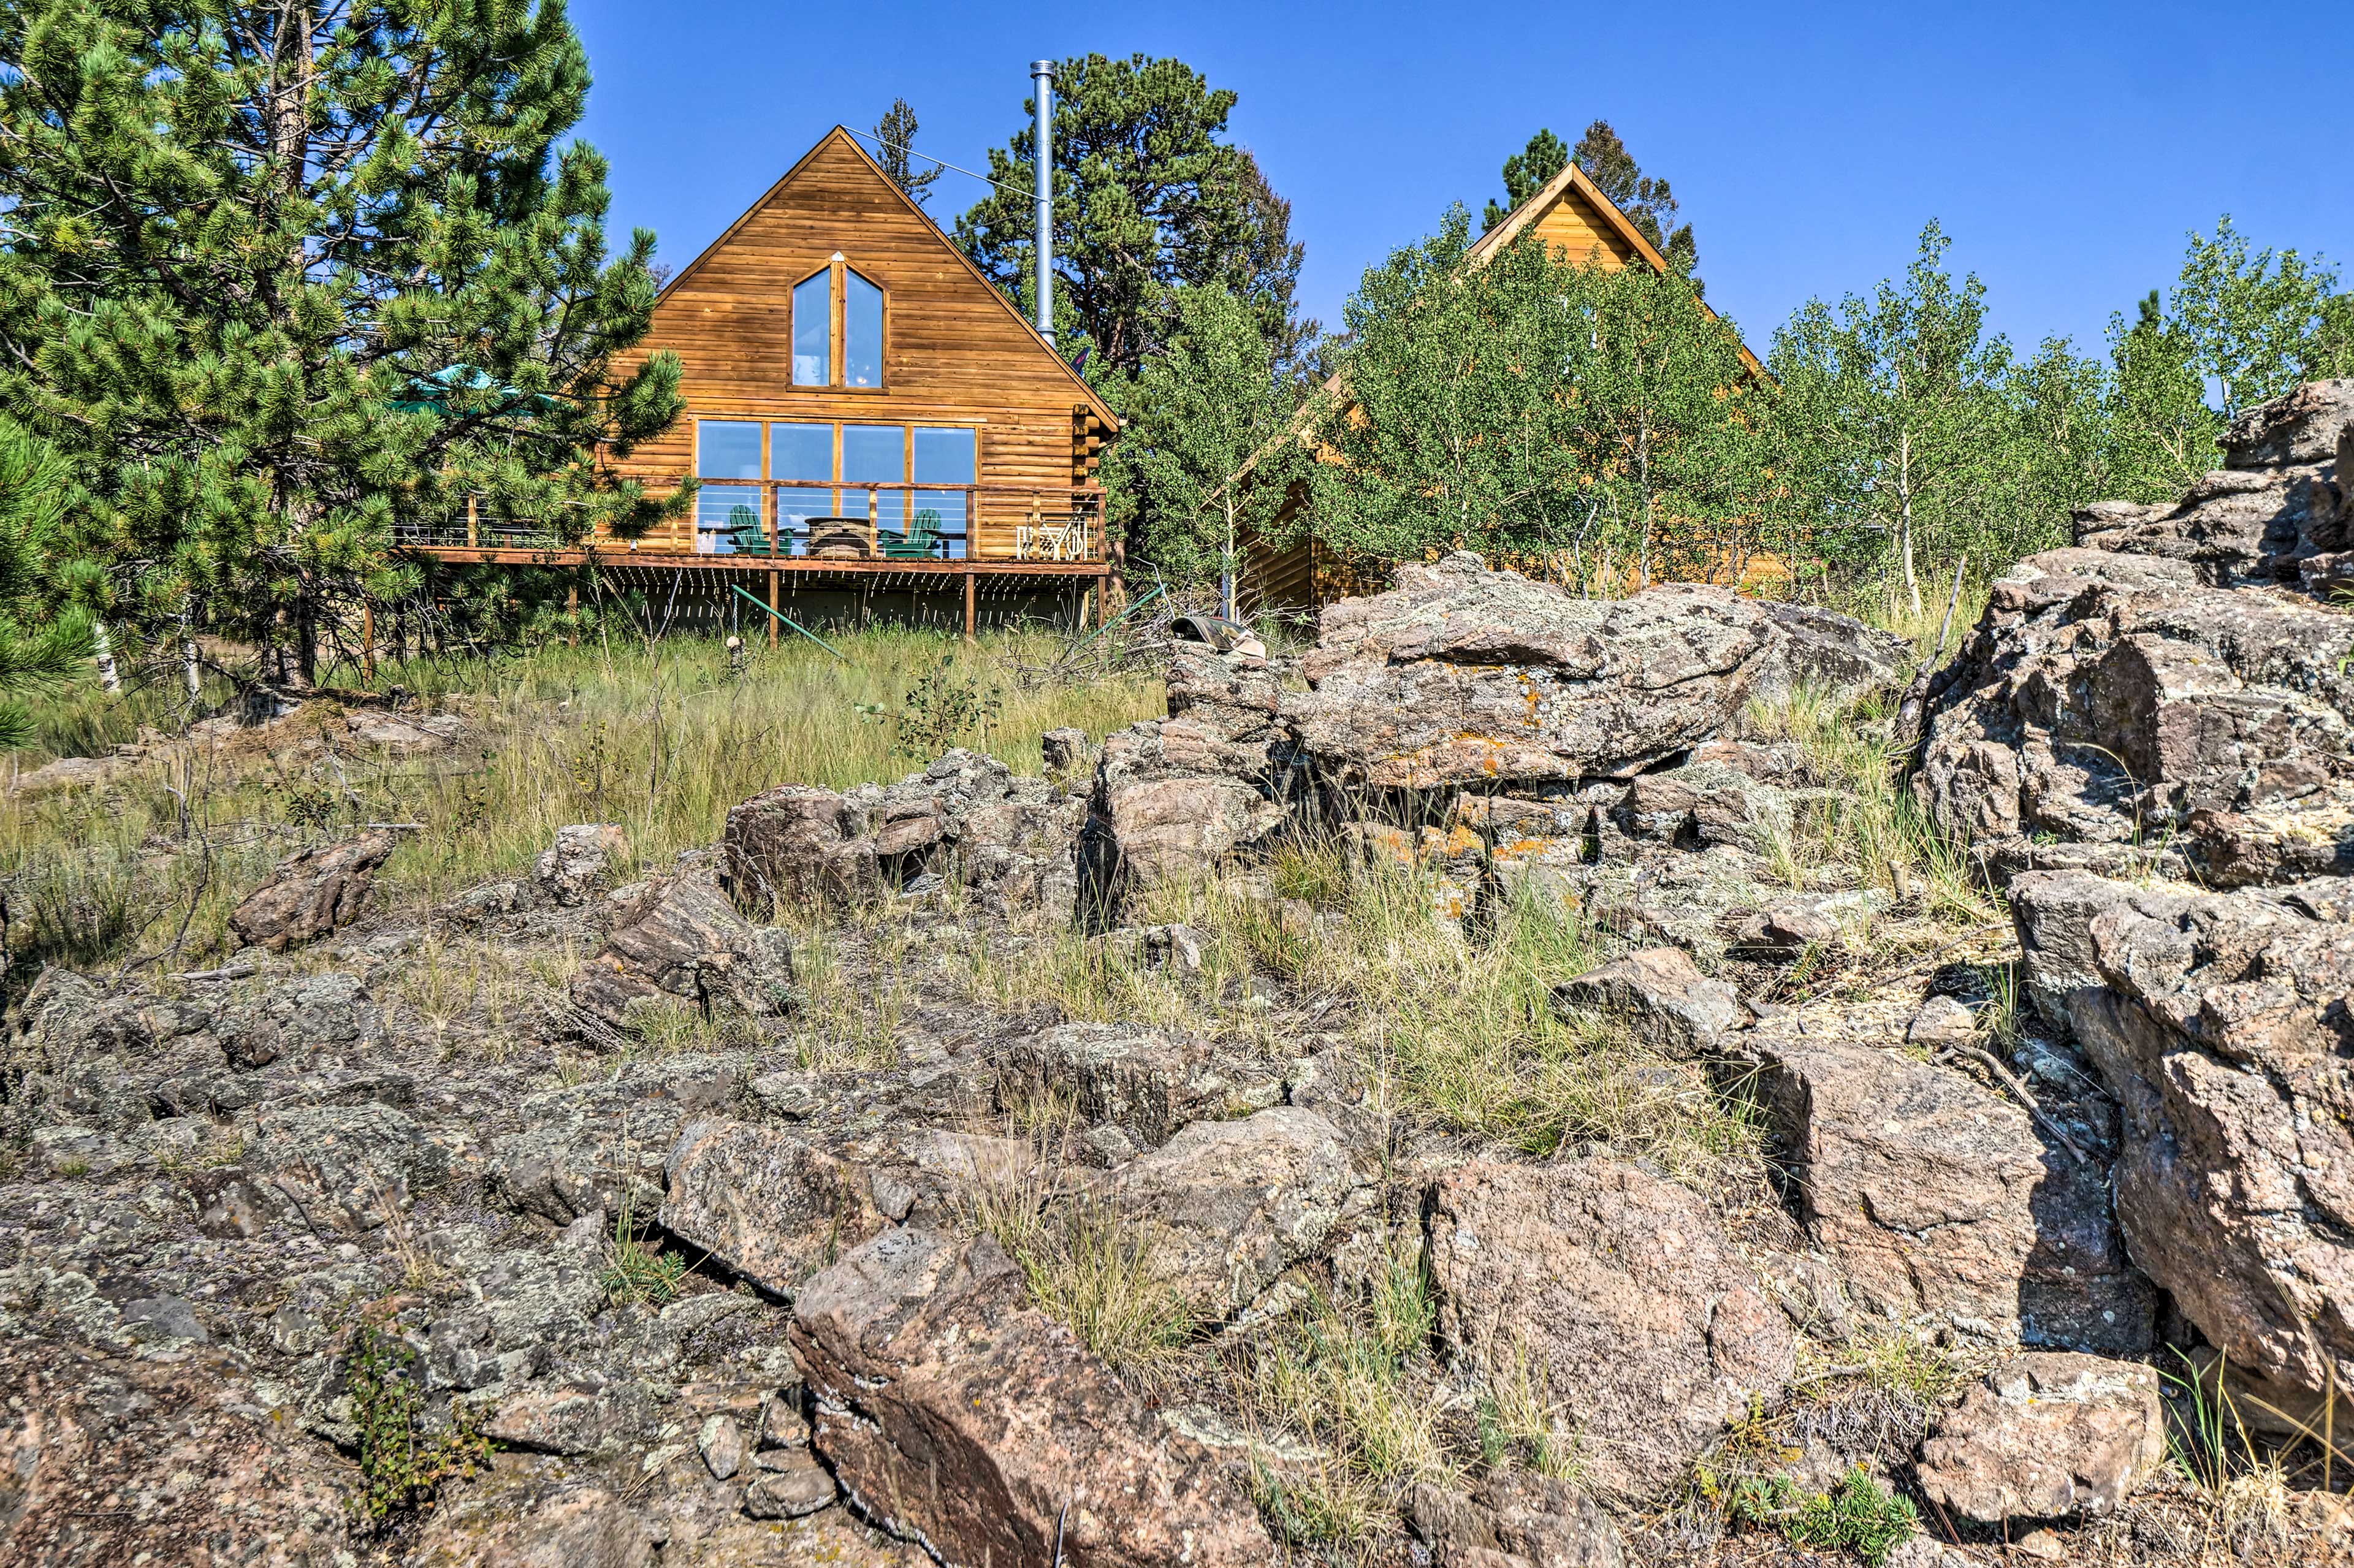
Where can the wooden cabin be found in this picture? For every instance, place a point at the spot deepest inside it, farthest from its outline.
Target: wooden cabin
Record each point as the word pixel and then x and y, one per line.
pixel 1581 223
pixel 872 423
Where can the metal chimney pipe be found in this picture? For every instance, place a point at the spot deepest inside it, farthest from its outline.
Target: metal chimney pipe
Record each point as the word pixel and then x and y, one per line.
pixel 1042 77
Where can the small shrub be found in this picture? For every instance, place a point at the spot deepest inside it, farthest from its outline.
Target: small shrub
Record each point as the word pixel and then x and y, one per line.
pixel 640 1275
pixel 401 1464
pixel 1859 1516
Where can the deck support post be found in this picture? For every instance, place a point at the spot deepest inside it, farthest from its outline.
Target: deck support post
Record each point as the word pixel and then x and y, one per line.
pixel 772 606
pixel 572 608
pixel 1103 598
pixel 474 524
pixel 367 642
pixel 972 581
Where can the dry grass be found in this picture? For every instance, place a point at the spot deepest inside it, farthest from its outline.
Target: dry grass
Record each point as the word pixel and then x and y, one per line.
pixel 662 739
pixel 1355 1382
pixel 1875 830
pixel 1087 1265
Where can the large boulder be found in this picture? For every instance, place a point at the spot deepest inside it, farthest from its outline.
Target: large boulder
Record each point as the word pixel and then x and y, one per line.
pixel 767 1206
pixel 956 1414
pixel 1461 675
pixel 1944 1202
pixel 2108 705
pixel 1618 1290
pixel 1009 840
pixel 1229 1206
pixel 2049 1434
pixel 2218 1020
pixel 679 942
pixel 1147 1083
pixel 312 893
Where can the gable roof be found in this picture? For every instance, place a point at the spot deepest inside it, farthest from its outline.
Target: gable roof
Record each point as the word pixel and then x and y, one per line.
pixel 1572 179
pixel 840 135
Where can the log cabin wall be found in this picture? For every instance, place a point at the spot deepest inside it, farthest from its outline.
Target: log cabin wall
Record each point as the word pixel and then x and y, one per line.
pixel 955 355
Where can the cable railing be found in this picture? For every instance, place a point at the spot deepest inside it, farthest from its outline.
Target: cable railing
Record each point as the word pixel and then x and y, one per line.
pixel 905 522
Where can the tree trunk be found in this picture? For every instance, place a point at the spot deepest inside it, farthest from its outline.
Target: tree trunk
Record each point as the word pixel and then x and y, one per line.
pixel 1904 491
pixel 110 678
pixel 1226 575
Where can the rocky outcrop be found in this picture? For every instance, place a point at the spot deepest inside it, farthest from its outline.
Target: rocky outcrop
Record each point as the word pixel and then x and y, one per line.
pixel 2219 1022
pixel 1662 992
pixel 313 894
pixel 1461 675
pixel 957 1415
pixel 1943 1201
pixel 1145 1083
pixel 680 943
pixel 1617 1290
pixel 1462 681
pixel 764 1203
pixel 2047 1436
pixel 1515 1519
pixel 2150 698
pixel 1229 1206
pixel 580 865
pixel 1008 840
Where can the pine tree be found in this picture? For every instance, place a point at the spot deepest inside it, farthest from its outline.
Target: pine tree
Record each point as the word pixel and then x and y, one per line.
pixel 1147 196
pixel 1646 201
pixel 896 132
pixel 1527 172
pixel 38 648
pixel 280 277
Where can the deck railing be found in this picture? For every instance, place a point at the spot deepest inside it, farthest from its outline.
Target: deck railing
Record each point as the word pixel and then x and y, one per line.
pixel 772 518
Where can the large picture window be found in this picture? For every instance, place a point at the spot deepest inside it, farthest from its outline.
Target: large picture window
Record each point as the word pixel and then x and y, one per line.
pixel 838 328
pixel 918 477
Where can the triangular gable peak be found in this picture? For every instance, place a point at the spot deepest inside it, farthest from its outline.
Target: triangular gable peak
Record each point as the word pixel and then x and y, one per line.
pixel 950 326
pixel 1573 213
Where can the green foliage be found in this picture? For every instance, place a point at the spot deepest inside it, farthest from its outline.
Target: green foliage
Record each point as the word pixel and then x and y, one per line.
pixel 638 1274
pixel 281 277
pixel 1526 173
pixel 402 1465
pixel 1859 1515
pixel 39 649
pixel 1532 406
pixel 1147 196
pixel 2257 323
pixel 1903 424
pixel 896 131
pixel 1196 415
pixel 2161 434
pixel 942 707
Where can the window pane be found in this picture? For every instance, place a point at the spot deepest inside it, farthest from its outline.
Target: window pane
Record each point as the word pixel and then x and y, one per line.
pixel 939 521
pixel 944 456
pixel 813 331
pixel 862 332
pixel 726 449
pixel 726 518
pixel 876 452
pixel 794 510
pixel 800 452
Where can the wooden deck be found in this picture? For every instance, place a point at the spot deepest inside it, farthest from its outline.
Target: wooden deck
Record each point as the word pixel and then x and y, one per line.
pixel 765 576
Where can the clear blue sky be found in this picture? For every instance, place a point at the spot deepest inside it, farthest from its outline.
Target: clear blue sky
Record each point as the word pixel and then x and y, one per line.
pixel 2066 148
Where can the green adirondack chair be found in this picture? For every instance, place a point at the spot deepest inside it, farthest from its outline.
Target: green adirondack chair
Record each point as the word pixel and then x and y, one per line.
pixel 744 534
pixel 921 542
